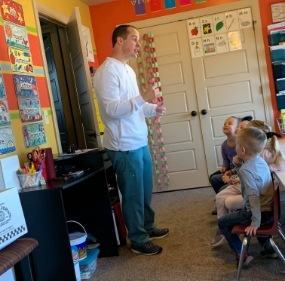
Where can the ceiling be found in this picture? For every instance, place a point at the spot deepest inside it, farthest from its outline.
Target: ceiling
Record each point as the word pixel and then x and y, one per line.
pixel 96 2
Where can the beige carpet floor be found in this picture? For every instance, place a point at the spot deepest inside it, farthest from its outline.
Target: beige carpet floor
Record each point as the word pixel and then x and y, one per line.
pixel 187 253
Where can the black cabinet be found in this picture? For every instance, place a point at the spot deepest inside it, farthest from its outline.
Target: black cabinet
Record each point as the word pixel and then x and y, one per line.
pixel 84 199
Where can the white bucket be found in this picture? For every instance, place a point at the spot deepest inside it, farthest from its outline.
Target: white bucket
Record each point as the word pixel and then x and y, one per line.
pixel 78 239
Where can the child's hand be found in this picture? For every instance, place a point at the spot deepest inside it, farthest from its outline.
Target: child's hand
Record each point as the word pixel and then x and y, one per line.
pixel 225 178
pixel 223 169
pixel 234 181
pixel 228 173
pixel 251 230
pixel 237 160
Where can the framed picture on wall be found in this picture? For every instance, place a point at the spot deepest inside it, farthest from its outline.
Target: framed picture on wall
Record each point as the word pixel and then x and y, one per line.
pixel 278 12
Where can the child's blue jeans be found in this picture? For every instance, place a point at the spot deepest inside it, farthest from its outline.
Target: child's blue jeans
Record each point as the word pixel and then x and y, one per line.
pixel 228 221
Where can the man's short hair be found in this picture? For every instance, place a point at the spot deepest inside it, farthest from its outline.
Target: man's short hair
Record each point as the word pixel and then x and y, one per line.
pixel 253 139
pixel 121 31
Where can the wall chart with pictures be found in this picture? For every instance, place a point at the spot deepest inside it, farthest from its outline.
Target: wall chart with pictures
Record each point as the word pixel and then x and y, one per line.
pixel 218 33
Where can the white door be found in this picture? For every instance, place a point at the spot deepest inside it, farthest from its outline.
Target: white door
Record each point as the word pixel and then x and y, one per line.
pixel 83 81
pixel 227 84
pixel 181 131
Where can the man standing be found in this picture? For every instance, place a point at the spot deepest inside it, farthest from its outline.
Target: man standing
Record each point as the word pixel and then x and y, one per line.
pixel 123 110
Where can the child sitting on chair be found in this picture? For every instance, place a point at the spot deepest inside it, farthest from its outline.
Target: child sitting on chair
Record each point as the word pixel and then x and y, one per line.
pixel 257 192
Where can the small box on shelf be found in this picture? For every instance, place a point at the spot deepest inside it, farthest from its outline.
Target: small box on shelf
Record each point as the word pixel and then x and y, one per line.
pixel 281 125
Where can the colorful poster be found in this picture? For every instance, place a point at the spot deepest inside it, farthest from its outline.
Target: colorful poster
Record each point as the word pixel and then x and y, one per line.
pixel 7 141
pixel 206 25
pixel 34 134
pixel 194 29
pixel 209 45
pixel 139 7
pixel 234 41
pixel 222 43
pixel 196 48
pixel 232 20
pixel 219 23
pixel 30 110
pixel 12 11
pixel 21 61
pixel 185 2
pixel 2 87
pixel 169 4
pixel 16 36
pixel 155 5
pixel 4 113
pixel 200 1
pixel 244 17
pixel 25 86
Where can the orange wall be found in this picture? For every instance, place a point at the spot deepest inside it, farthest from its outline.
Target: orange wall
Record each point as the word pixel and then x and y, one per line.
pixel 105 17
pixel 103 23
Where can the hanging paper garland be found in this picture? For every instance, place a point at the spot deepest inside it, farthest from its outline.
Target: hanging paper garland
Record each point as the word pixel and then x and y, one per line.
pixel 148 67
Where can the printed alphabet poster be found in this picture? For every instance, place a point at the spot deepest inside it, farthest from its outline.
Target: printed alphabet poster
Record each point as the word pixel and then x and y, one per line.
pixel 222 43
pixel 196 48
pixel 209 45
pixel 25 86
pixel 232 20
pixel 12 11
pixel 30 110
pixel 219 23
pixel 244 17
pixel 34 134
pixel 4 113
pixel 16 36
pixel 234 41
pixel 7 141
pixel 207 25
pixel 21 61
pixel 194 28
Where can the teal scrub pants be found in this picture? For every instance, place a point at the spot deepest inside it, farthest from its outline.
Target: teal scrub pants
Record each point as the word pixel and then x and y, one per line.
pixel 134 176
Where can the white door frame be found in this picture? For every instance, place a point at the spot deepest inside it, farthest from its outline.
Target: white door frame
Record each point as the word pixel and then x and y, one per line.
pixel 254 4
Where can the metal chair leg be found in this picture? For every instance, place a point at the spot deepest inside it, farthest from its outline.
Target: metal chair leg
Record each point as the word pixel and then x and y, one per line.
pixel 280 232
pixel 244 246
pixel 276 249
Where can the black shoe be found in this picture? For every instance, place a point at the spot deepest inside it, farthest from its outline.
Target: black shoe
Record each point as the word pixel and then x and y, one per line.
pixel 148 249
pixel 158 233
pixel 269 253
pixel 214 212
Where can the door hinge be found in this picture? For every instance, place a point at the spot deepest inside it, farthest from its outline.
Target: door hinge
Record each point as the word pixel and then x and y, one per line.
pixel 253 24
pixel 261 89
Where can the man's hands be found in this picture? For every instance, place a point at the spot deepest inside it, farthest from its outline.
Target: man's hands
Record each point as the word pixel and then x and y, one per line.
pixel 150 94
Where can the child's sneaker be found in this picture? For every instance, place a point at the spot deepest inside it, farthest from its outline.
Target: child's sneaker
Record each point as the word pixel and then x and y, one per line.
pixel 246 260
pixel 218 239
pixel 269 253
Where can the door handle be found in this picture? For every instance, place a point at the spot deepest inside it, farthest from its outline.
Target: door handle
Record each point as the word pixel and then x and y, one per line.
pixel 193 113
pixel 204 111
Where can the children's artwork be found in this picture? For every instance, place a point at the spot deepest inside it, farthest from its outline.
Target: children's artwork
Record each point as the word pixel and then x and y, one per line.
pixel 196 48
pixel 21 61
pixel 219 23
pixel 232 20
pixel 278 12
pixel 2 87
pixel 34 134
pixel 7 141
pixel 25 86
pixel 234 41
pixel 206 25
pixel 139 7
pixel 155 5
pixel 30 110
pixel 12 11
pixel 245 19
pixel 16 36
pixel 222 43
pixel 4 113
pixel 87 43
pixel 169 4
pixel 209 45
pixel 194 29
